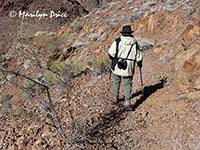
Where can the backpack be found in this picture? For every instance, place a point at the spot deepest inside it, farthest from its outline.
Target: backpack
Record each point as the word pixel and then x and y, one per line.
pixel 115 59
pixel 121 62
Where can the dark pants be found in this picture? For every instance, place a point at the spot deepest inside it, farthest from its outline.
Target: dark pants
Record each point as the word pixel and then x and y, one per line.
pixel 127 86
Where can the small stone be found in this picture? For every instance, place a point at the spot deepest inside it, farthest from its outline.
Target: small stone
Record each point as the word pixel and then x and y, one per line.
pixel 189 11
pixel 153 11
pixel 94 24
pixel 28 63
pixel 171 2
pixel 19 62
pixel 9 77
pixel 151 2
pixel 136 15
pixel 97 12
pixel 82 35
pixel 111 5
pixel 6 107
pixel 165 59
pixel 44 64
pixel 77 26
pixel 1 141
pixel 119 7
pixel 129 2
pixel 103 37
pixel 2 81
pixel 168 8
pixel 39 33
pixel 51 34
pixel 7 57
pixel 45 134
pixel 135 10
pixel 44 107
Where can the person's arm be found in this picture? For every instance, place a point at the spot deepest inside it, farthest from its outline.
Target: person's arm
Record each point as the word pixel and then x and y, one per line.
pixel 112 51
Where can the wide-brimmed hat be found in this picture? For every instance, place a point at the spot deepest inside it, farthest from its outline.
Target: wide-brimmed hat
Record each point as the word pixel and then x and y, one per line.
pixel 126 29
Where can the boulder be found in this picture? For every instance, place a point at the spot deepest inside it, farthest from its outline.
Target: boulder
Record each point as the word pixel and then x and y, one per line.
pixel 187 67
pixel 93 36
pixel 145 43
pixel 168 8
pixel 77 44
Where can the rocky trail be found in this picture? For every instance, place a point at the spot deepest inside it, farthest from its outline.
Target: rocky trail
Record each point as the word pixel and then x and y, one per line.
pixel 72 63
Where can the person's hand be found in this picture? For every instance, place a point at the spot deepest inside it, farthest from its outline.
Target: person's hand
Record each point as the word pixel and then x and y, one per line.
pixel 139 63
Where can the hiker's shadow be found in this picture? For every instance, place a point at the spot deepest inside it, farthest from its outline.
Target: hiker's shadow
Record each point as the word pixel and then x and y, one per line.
pixel 108 122
pixel 147 91
pixel 106 126
pixel 110 119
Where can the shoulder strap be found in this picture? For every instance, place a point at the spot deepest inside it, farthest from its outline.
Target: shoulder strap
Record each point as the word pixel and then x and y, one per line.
pixel 117 46
pixel 129 51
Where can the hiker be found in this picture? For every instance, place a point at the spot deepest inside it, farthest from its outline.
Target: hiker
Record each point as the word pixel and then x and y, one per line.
pixel 124 53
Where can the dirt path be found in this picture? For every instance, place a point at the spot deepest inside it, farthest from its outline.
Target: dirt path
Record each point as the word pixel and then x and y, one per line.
pixel 111 125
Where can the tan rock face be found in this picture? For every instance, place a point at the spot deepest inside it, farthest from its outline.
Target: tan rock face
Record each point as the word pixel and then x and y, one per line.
pixel 197 84
pixel 187 68
pixel 191 33
pixel 192 64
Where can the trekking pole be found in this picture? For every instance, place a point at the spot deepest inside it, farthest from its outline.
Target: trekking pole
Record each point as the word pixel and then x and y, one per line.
pixel 110 73
pixel 141 80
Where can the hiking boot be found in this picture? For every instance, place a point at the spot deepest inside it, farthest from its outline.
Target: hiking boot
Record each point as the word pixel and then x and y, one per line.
pixel 127 105
pixel 115 100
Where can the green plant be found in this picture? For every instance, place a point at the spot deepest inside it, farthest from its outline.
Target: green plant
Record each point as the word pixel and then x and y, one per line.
pixel 101 64
pixel 52 78
pixel 59 67
pixel 5 97
pixel 29 88
pixel 78 66
pixel 65 70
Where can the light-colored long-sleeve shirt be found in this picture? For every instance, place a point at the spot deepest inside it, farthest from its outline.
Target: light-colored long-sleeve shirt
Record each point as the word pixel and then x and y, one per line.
pixel 123 50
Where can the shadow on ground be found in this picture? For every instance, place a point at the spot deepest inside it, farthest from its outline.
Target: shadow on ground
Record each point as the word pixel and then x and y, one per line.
pixel 107 126
pixel 147 91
